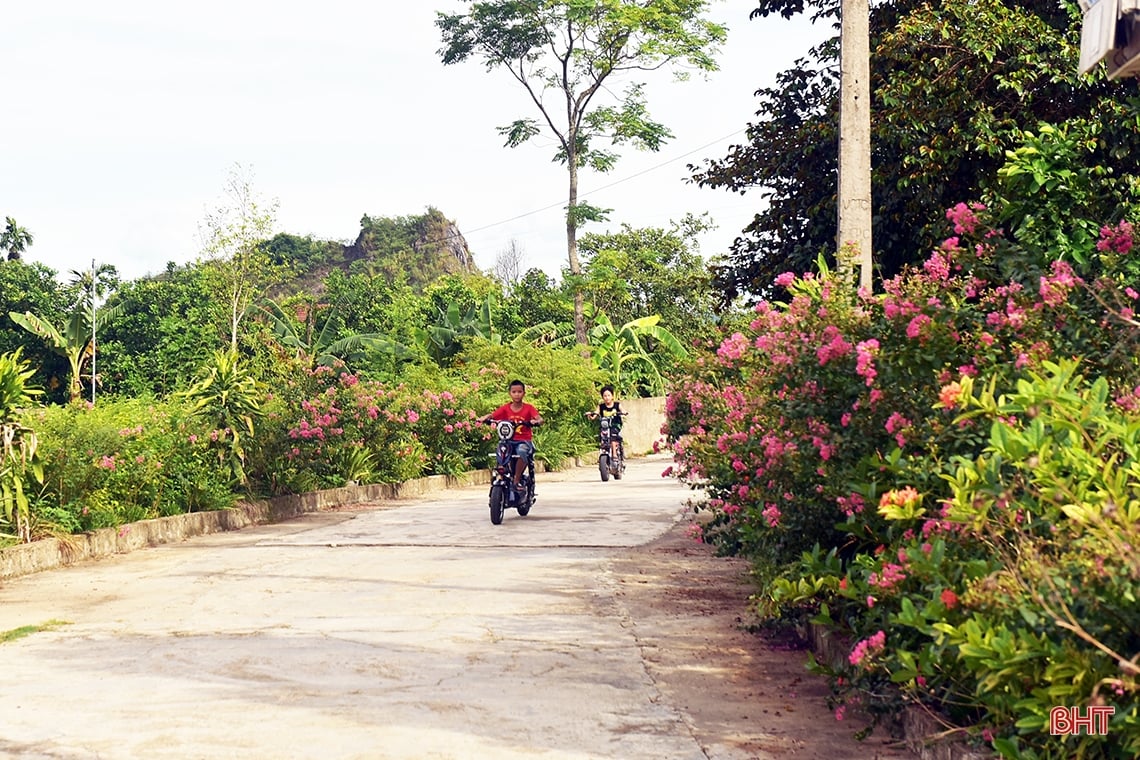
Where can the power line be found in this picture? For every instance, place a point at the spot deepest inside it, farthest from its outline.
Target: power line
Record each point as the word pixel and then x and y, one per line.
pixel 606 187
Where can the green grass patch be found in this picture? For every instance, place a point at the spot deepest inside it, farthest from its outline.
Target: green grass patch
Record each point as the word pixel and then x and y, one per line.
pixel 28 630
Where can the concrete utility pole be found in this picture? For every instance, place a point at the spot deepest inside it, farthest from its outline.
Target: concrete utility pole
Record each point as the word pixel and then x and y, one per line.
pixel 855 135
pixel 92 332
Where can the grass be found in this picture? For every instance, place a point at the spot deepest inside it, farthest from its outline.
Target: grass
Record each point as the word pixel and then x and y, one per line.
pixel 28 630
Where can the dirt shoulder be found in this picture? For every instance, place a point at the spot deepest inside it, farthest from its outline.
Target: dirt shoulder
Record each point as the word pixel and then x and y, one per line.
pixel 743 695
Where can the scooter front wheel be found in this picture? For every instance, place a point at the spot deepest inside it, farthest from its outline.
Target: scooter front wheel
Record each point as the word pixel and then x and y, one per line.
pixel 604 466
pixel 496 505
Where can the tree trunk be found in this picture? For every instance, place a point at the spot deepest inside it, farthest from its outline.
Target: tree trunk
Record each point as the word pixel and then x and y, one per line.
pixel 572 243
pixel 854 226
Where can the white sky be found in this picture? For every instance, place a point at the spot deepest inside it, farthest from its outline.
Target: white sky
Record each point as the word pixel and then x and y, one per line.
pixel 123 120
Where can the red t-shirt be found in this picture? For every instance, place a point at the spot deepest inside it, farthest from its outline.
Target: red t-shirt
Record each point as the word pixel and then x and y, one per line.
pixel 526 414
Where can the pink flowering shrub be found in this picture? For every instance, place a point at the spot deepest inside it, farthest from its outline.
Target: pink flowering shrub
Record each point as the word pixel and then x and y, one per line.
pixel 327 427
pixel 330 428
pixel 843 402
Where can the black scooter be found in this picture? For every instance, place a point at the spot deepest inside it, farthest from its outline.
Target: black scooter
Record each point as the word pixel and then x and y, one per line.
pixel 611 452
pixel 503 494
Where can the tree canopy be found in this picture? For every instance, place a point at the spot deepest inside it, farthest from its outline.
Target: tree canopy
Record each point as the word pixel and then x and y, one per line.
pixel 955 87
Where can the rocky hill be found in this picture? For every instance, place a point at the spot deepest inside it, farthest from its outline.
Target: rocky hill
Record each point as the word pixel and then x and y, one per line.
pixel 420 248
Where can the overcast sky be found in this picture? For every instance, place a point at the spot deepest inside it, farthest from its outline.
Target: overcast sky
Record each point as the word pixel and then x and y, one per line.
pixel 123 120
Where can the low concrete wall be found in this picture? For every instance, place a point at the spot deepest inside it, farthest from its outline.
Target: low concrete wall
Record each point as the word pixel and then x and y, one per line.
pixel 643 425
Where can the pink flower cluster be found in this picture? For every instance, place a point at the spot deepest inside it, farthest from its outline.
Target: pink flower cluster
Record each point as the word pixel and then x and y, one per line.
pixel 867 648
pixel 852 505
pixel 732 348
pixel 1055 287
pixel 938 266
pixel 1129 401
pixel 865 363
pixel 1117 239
pixel 964 217
pixel 896 424
pixel 835 347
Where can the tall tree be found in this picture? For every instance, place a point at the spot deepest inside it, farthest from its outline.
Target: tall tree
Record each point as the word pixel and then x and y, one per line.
pixel 509 264
pixel 239 267
pixel 15 239
pixel 954 87
pixel 571 50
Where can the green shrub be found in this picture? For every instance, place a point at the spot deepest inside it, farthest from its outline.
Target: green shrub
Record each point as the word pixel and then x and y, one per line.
pixel 122 461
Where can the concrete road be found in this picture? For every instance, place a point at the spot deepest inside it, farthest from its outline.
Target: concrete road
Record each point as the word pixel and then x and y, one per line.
pixel 406 630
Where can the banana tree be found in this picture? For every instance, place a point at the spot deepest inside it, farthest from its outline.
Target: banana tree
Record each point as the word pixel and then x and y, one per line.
pixel 444 339
pixel 613 348
pixel 73 341
pixel 17 444
pixel 318 346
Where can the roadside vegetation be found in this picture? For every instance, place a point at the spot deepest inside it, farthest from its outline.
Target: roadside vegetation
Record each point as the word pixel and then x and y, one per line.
pixel 943 473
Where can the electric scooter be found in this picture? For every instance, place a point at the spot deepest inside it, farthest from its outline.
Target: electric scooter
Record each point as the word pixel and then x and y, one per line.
pixel 504 495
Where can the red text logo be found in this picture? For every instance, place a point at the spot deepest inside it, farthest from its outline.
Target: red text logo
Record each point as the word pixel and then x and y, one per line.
pixel 1065 721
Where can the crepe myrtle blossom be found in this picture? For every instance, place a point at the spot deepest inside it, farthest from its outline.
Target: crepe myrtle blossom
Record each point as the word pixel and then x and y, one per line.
pixel 1117 239
pixel 865 363
pixel 851 505
pixel 732 348
pixel 1129 401
pixel 938 267
pixel 867 648
pixel 964 217
pixel 915 329
pixel 785 279
pixel 1055 287
pixel 895 425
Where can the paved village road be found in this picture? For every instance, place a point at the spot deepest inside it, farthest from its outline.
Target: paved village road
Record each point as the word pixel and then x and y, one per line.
pixel 594 628
pixel 412 629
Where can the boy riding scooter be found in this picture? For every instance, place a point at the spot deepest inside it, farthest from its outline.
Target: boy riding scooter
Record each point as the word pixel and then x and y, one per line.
pixel 524 416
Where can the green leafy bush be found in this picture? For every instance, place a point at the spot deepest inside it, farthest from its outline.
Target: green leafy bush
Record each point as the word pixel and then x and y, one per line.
pixel 122 461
